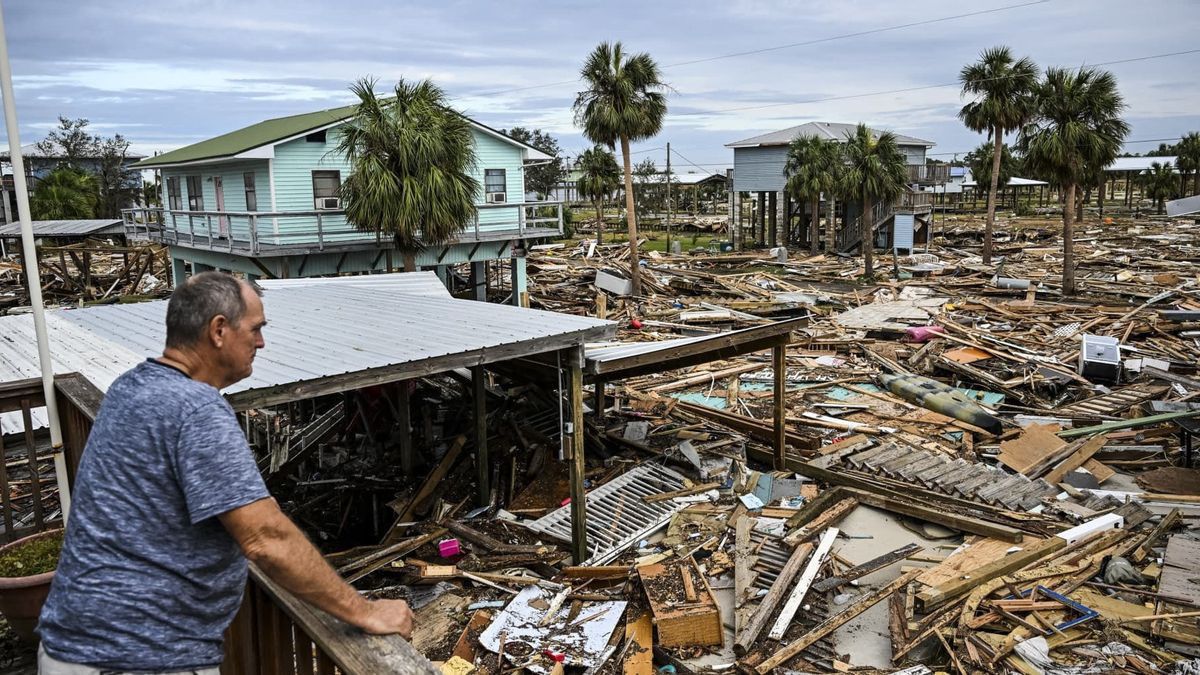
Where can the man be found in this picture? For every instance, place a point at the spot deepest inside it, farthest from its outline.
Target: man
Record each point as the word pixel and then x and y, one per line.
pixel 169 504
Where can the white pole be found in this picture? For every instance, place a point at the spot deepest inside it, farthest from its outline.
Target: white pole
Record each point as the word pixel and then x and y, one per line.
pixel 33 276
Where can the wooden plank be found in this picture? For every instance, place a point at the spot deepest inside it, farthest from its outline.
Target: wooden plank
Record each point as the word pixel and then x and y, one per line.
pixel 758 620
pixel 934 596
pixel 743 573
pixel 483 466
pixel 639 660
pixel 829 517
pixel 1035 444
pixel 806 578
pixel 826 627
pixel 35 475
pixel 432 483
pixel 779 407
pixel 978 553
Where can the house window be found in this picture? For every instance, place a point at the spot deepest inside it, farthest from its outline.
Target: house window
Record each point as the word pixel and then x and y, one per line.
pixel 493 181
pixel 251 193
pixel 326 189
pixel 174 197
pixel 316 137
pixel 195 190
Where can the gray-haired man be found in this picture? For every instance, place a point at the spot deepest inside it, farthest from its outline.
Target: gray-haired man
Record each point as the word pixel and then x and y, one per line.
pixel 169 503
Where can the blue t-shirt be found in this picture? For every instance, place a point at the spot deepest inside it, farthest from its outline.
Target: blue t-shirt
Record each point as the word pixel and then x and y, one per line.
pixel 149 579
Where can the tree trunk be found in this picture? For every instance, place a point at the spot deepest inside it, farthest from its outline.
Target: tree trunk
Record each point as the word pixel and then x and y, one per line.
pixel 997 149
pixel 814 225
pixel 635 273
pixel 1068 284
pixel 868 238
pixel 831 227
pixel 599 224
pixel 410 261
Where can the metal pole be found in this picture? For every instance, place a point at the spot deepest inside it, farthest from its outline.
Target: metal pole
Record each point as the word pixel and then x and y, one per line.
pixel 34 278
pixel 668 251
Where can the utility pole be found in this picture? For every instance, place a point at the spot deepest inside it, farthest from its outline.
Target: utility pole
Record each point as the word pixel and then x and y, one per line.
pixel 33 279
pixel 668 197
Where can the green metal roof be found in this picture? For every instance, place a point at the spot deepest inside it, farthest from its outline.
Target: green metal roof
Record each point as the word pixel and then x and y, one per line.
pixel 248 138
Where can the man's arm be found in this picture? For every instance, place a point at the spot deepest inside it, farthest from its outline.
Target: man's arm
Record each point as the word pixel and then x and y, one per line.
pixel 272 541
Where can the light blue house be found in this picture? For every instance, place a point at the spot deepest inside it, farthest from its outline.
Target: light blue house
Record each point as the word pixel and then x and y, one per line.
pixel 264 201
pixel 758 176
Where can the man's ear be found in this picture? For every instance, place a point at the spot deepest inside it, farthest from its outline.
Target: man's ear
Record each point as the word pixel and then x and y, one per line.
pixel 218 330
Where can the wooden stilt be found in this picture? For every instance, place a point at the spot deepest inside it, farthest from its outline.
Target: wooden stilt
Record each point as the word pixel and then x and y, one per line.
pixel 579 547
pixel 405 422
pixel 481 450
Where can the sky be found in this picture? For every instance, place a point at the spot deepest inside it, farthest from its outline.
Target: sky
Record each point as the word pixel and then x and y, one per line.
pixel 173 72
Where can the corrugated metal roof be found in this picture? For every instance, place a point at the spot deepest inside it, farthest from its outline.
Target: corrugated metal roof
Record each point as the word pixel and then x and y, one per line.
pixel 1184 207
pixel 1012 182
pixel 832 130
pixel 1137 163
pixel 315 331
pixel 65 228
pixel 620 360
pixel 407 283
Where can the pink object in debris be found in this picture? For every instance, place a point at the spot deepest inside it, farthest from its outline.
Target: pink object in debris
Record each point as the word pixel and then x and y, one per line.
pixel 922 333
pixel 448 548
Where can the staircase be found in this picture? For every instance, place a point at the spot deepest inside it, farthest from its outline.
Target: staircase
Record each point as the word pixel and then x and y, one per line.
pixel 850 236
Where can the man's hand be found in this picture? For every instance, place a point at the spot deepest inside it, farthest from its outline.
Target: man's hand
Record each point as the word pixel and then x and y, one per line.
pixel 385 617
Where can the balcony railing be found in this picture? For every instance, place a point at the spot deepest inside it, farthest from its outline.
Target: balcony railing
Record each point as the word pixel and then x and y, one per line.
pixel 274 632
pixel 929 173
pixel 284 232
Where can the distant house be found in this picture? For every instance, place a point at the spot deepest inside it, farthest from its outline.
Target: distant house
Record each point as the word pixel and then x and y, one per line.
pixel 758 170
pixel 39 164
pixel 264 201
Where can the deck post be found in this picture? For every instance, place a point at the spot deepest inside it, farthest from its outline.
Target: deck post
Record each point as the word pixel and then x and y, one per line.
pixel 405 422
pixel 779 365
pixel 520 282
pixel 579 549
pixel 479 279
pixel 178 271
pixel 481 450
pixel 598 400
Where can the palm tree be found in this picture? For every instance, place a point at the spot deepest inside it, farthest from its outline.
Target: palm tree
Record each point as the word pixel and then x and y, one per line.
pixel 811 170
pixel 1160 183
pixel 1188 161
pixel 1077 126
pixel 981 161
pixel 874 172
pixel 599 177
pixel 1002 90
pixel 623 102
pixel 411 159
pixel 64 194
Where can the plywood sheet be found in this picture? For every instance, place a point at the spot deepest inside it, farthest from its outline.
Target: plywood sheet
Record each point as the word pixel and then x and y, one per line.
pixel 1037 442
pixel 981 551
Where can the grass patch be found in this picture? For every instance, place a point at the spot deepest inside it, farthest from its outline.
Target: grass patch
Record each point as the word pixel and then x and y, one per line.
pixel 34 557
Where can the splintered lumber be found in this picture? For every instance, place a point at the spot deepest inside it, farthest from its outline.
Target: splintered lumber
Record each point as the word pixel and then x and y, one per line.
pixel 829 517
pixel 432 483
pixel 871 566
pixel 766 608
pixel 695 489
pixel 1165 525
pixel 743 573
pixel 934 596
pixel 692 623
pixel 385 556
pixel 834 622
pixel 1076 459
pixel 806 578
pixel 941 517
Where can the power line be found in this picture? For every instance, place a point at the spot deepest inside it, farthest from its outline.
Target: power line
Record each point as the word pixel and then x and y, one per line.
pixel 832 38
pixel 910 89
pixel 844 36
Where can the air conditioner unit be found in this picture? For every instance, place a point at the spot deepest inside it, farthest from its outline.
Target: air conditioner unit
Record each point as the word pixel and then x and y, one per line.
pixel 326 203
pixel 496 198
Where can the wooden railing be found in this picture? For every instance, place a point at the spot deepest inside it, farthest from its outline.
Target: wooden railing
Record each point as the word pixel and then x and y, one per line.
pixel 274 632
pixel 29 505
pixel 928 173
pixel 851 233
pixel 256 232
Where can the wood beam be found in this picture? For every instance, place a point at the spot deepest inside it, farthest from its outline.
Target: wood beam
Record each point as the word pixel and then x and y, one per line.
pixel 404 418
pixel 579 547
